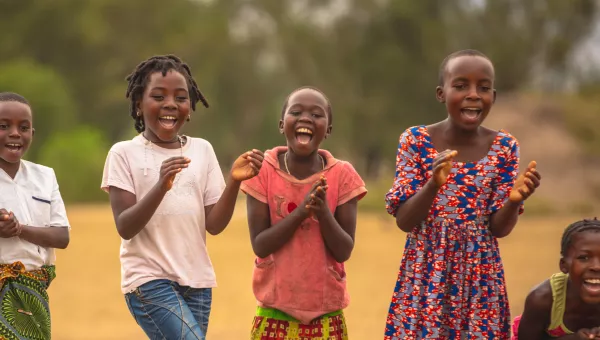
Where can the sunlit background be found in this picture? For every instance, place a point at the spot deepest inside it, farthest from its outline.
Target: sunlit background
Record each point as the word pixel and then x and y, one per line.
pixel 377 60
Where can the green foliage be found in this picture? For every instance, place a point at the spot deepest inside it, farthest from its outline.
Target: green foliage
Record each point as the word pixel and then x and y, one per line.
pixel 78 158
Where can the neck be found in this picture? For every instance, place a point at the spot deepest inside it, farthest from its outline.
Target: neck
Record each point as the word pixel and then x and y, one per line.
pixel 10 168
pixel 457 135
pixel 303 166
pixel 154 139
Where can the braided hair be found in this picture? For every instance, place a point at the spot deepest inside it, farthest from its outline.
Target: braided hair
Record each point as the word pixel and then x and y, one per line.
pixel 329 110
pixel 461 53
pixel 139 78
pixel 13 97
pixel 575 228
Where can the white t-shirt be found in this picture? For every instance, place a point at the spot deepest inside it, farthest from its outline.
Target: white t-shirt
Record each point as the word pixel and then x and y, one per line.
pixel 34 198
pixel 172 246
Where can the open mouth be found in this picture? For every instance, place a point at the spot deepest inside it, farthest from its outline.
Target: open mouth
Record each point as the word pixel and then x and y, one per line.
pixel 592 286
pixel 470 114
pixel 168 122
pixel 304 135
pixel 14 147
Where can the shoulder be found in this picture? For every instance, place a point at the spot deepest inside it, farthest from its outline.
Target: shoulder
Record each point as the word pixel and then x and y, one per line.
pixel 539 299
pixel 506 139
pixel 38 169
pixel 124 146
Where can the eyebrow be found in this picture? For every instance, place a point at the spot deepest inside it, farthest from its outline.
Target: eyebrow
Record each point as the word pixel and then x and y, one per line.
pixel 163 88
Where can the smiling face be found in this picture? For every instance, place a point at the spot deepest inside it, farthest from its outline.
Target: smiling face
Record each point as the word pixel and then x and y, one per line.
pixel 582 263
pixel 468 91
pixel 16 132
pixel 305 122
pixel 165 106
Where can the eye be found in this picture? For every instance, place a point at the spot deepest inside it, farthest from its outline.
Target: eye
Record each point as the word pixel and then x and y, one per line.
pixel 295 113
pixel 25 128
pixel 460 86
pixel 3 126
pixel 158 98
pixel 182 99
pixel 583 257
pixel 317 114
pixel 485 88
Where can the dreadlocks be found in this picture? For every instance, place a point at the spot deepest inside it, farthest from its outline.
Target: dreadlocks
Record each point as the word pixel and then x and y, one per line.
pixel 13 97
pixel 329 111
pixel 461 53
pixel 577 227
pixel 139 78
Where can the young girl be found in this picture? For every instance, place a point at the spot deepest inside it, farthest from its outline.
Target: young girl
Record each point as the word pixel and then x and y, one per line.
pixel 33 222
pixel 454 194
pixel 567 306
pixel 166 190
pixel 302 218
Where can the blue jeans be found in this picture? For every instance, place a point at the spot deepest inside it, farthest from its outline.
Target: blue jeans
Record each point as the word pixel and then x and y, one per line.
pixel 167 311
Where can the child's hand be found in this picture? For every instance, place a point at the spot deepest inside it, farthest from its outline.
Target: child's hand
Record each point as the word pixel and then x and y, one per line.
pixel 247 165
pixel 169 169
pixel 586 333
pixel 526 184
pixel 318 202
pixel 442 165
pixel 308 199
pixel 9 226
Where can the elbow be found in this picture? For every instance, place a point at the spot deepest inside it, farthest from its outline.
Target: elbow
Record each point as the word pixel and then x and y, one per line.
pixel 213 231
pixel 123 233
pixel 259 251
pixel 63 243
pixel 402 225
pixel 343 257
pixel 501 233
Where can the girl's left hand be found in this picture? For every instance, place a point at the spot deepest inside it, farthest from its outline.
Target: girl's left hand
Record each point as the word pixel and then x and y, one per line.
pixel 526 184
pixel 318 204
pixel 247 165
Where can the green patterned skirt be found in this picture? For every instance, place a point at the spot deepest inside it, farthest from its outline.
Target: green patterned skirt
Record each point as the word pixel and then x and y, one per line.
pixel 24 312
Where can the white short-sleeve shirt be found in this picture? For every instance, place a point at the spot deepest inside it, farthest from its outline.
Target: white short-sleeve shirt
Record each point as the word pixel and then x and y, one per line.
pixel 172 245
pixel 34 198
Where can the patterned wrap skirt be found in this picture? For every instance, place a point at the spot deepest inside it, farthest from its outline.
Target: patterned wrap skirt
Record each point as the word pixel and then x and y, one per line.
pixel 272 324
pixel 24 312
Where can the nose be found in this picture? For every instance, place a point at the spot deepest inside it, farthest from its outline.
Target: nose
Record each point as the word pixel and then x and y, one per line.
pixel 473 94
pixel 14 132
pixel 169 103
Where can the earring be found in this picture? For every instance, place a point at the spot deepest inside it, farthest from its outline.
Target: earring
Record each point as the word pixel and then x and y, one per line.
pixel 189 118
pixel 139 114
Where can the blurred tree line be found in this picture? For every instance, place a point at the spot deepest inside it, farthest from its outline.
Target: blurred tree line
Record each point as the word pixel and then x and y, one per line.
pixel 376 60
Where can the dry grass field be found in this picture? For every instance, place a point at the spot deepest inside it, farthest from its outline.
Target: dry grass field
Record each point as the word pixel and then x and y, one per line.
pixel 87 304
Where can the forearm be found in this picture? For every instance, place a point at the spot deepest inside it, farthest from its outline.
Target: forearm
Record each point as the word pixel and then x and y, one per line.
pixel 220 215
pixel 273 238
pixel 131 221
pixel 415 210
pixel 47 237
pixel 337 240
pixel 504 220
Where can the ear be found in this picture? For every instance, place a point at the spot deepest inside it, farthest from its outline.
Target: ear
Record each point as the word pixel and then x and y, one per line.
pixel 281 126
pixel 32 132
pixel 439 94
pixel 563 265
pixel 138 105
pixel 494 99
pixel 328 132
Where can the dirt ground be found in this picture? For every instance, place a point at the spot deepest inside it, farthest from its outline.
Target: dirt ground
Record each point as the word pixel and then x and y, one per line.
pixel 86 302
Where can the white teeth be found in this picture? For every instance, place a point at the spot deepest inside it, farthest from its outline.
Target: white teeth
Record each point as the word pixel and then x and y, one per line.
pixel 14 145
pixel 593 281
pixel 168 117
pixel 471 109
pixel 304 130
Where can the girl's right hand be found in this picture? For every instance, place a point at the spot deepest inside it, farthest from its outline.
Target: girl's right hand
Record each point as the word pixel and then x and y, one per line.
pixel 308 200
pixel 9 226
pixel 169 169
pixel 442 164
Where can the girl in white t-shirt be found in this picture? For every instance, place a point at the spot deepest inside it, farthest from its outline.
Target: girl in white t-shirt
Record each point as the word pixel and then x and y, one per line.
pixel 166 190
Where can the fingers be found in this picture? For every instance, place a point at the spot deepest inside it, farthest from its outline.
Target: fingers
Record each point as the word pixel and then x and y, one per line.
pixel 321 190
pixel 444 156
pixel 532 165
pixel 3 211
pixel 178 160
pixel 442 166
